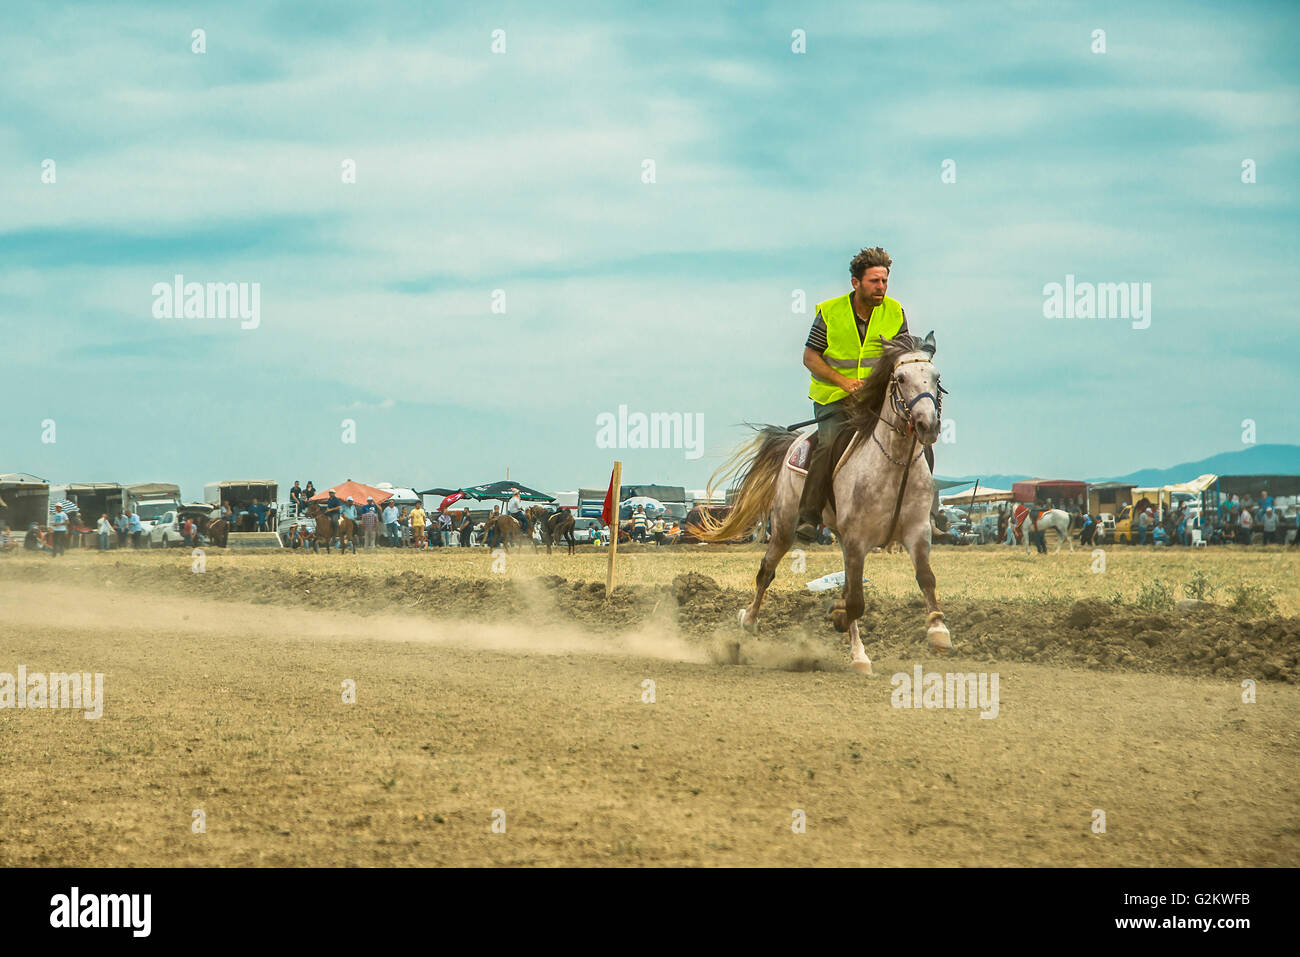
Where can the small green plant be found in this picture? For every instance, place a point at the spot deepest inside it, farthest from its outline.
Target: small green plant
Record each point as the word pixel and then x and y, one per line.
pixel 1116 598
pixel 1157 596
pixel 1252 601
pixel 1200 587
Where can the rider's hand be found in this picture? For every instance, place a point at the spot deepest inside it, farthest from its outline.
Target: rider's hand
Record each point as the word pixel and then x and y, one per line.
pixel 853 385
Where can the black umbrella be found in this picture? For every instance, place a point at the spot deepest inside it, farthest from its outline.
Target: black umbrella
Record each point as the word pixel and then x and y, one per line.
pixel 506 490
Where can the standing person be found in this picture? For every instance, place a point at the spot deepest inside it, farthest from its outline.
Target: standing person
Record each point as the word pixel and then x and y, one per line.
pixel 349 511
pixel 1145 522
pixel 187 531
pixel 417 527
pixel 1246 524
pixel 1085 536
pixel 659 530
pixel 840 353
pixel 104 529
pixel 59 530
pixel 1269 525
pixel 444 528
pixel 135 528
pixel 369 523
pixel 120 523
pixel 464 528
pixel 638 524
pixel 258 512
pixel 390 525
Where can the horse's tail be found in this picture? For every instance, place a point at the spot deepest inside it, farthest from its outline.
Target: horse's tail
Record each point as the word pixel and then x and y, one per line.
pixel 752 470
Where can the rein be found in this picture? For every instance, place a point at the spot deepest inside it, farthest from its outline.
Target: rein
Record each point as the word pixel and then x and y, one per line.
pixel 905 411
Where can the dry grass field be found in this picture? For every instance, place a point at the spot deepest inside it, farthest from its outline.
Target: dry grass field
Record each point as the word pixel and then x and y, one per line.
pixel 525 693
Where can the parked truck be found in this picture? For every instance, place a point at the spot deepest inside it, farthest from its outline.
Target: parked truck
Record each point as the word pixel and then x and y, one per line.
pixel 151 501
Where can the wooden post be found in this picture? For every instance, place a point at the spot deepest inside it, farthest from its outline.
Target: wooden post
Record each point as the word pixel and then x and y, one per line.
pixel 617 485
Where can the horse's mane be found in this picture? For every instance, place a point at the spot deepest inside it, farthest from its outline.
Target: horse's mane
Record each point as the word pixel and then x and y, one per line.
pixel 863 407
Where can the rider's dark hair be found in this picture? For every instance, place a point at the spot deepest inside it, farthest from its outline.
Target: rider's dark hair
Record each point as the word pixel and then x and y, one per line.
pixel 867 258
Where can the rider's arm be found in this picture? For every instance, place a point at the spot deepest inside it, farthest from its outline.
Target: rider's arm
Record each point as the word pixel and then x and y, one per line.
pixel 814 363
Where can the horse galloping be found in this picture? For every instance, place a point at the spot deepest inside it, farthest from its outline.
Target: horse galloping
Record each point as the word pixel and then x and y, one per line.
pixel 882 489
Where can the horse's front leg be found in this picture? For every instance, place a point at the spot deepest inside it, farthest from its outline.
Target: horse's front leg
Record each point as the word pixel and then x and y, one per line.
pixel 849 609
pixel 918 546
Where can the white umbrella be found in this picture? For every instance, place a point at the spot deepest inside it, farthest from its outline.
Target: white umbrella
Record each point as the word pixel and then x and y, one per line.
pixel 652 506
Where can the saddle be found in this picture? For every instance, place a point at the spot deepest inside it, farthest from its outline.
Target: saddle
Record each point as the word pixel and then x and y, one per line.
pixel 802 452
pixel 1033 513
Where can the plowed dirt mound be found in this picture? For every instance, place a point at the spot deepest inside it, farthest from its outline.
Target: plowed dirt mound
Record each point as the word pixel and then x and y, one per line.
pixel 795 626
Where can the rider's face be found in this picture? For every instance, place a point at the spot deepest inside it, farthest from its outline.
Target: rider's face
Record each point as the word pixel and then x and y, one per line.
pixel 872 286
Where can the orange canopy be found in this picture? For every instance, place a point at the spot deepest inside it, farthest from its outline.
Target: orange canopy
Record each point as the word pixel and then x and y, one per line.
pixel 358 492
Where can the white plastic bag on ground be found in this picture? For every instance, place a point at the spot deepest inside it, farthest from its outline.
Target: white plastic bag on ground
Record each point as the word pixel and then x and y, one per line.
pixel 833 581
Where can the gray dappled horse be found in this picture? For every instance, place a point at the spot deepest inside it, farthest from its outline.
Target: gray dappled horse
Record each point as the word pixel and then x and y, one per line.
pixel 882 489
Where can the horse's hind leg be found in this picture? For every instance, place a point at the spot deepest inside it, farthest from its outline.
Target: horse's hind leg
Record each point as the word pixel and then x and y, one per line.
pixel 776 550
pixel 785 509
pixel 918 546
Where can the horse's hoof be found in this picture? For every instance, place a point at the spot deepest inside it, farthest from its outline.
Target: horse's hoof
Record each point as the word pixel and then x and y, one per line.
pixel 839 618
pixel 940 639
pixel 862 667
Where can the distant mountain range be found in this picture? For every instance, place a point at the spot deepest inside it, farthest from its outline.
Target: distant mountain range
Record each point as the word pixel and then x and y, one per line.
pixel 1275 459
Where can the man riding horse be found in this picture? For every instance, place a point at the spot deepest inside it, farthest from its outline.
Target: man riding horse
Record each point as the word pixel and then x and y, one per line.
pixel 843 348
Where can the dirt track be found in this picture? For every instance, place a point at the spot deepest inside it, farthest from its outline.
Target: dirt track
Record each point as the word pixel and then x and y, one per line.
pixel 795 624
pixel 233 707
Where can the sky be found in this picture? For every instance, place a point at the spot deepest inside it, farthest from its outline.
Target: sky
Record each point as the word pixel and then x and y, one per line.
pixel 508 267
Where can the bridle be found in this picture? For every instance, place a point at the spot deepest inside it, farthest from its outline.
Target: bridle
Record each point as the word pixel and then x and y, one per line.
pixel 904 412
pixel 904 409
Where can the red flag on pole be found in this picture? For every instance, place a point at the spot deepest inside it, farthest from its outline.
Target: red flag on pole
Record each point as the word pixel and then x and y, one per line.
pixel 607 511
pixel 450 499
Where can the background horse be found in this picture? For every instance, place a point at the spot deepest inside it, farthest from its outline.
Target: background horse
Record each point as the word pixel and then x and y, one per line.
pixel 215 530
pixel 501 531
pixel 882 488
pixel 556 526
pixel 1050 518
pixel 327 528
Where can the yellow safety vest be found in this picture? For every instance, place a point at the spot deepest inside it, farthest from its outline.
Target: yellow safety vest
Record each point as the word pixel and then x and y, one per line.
pixel 848 355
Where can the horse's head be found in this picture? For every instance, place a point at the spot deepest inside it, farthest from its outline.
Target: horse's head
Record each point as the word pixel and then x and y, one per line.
pixel 903 388
pixel 914 394
pixel 313 510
